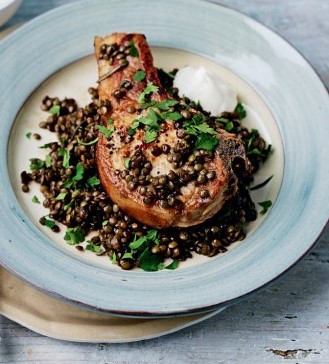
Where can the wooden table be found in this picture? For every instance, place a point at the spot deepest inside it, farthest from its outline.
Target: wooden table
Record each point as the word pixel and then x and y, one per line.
pixel 287 322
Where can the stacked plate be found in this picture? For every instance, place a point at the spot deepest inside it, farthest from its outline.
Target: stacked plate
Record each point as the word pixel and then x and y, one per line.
pixel 269 75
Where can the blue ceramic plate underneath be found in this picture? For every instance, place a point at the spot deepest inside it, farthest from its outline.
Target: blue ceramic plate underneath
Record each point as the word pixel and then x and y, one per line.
pixel 291 107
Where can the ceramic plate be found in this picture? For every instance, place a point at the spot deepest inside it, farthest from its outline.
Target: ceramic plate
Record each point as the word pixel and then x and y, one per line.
pixel 288 103
pixel 47 316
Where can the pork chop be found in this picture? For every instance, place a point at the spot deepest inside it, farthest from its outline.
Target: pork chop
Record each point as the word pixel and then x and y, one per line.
pixel 160 159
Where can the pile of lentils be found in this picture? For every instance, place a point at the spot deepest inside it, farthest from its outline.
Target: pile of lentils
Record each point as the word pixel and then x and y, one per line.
pixel 75 198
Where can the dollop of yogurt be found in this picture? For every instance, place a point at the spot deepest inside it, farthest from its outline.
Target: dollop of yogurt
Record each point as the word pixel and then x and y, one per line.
pixel 199 85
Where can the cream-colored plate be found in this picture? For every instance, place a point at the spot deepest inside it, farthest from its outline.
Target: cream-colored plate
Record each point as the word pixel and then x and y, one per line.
pixel 47 316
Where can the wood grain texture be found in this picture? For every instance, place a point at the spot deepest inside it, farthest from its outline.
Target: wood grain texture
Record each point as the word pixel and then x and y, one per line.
pixel 288 322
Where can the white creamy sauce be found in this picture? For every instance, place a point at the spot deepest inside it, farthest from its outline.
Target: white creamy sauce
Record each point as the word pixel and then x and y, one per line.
pixel 199 85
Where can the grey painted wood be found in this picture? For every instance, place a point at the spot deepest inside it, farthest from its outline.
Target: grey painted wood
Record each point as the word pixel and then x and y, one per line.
pixel 288 322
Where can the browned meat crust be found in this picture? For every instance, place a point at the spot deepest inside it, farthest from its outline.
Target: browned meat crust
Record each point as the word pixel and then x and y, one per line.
pixel 111 152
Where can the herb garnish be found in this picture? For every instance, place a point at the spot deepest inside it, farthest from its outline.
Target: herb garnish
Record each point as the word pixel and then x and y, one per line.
pixel 150 87
pixel 141 250
pixel 139 76
pixel 93 181
pixel 36 163
pixel 133 50
pixel 49 223
pixel 241 111
pixel 127 163
pixel 87 143
pixel 265 205
pixel 205 134
pixel 35 199
pixel 48 161
pixel 55 110
pixel 28 135
pixel 151 122
pixel 74 236
pixel 105 131
pixel 92 247
pixel 61 196
pixel 63 152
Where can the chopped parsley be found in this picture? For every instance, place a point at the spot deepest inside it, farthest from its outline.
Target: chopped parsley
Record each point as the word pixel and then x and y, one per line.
pixel 139 76
pixel 35 199
pixel 92 247
pixel 49 223
pixel 55 110
pixel 141 250
pixel 133 50
pixel 87 143
pixel 127 163
pixel 74 236
pixel 265 205
pixel 79 172
pixel 36 163
pixel 205 135
pixel 48 161
pixel 151 123
pixel 105 131
pixel 166 104
pixel 63 152
pixel 45 146
pixel 61 196
pixel 150 88
pixel 241 111
pixel 28 135
pixel 93 181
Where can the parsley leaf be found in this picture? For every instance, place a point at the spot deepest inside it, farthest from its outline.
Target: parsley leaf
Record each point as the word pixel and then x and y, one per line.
pixel 172 115
pixel 93 181
pixel 152 126
pixel 74 236
pixel 63 152
pixel 61 196
pixel 149 261
pixel 241 111
pixel 173 265
pixel 50 223
pixel 127 163
pixel 45 146
pixel 205 135
pixel 141 248
pixel 48 161
pixel 35 199
pixel 105 131
pixel 92 247
pixel 28 135
pixel 79 171
pixel 150 87
pixel 206 142
pixel 35 163
pixel 265 205
pixel 165 104
pixel 133 50
pixel 87 143
pixel 139 75
pixel 55 110
pixel 150 135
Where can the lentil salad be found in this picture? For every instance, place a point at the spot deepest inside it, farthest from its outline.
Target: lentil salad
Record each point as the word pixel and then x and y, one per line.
pixel 75 198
